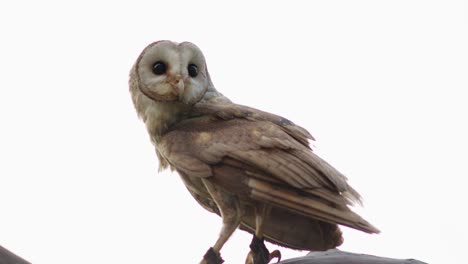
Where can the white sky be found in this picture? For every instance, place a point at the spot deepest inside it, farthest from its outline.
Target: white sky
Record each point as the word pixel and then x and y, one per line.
pixel 381 85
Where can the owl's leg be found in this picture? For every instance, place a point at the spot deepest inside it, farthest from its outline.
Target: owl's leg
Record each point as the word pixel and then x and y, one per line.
pixel 231 214
pixel 259 254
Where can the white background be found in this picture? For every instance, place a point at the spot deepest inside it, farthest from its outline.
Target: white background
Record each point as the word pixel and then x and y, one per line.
pixel 381 85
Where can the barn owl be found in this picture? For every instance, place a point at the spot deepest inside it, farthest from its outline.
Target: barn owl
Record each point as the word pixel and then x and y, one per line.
pixel 254 169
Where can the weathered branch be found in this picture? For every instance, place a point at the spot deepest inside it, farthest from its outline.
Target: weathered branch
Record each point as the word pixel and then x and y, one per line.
pixel 6 257
pixel 335 256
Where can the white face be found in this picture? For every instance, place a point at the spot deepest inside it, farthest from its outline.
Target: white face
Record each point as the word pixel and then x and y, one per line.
pixel 170 72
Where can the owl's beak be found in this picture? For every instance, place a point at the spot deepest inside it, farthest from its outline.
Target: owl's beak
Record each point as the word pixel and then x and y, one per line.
pixel 178 85
pixel 179 88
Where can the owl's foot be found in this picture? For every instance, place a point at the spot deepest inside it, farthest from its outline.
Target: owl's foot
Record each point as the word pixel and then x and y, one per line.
pixel 212 257
pixel 259 254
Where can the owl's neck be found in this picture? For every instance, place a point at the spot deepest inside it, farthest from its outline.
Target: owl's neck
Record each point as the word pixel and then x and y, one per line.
pixel 160 116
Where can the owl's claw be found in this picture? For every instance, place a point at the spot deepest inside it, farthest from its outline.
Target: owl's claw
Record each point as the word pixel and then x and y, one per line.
pixel 212 257
pixel 275 254
pixel 259 254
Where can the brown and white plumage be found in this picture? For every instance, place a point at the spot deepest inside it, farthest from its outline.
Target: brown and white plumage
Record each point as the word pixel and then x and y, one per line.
pixel 253 168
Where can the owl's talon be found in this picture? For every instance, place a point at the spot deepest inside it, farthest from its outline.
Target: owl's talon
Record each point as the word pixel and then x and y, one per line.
pixel 275 254
pixel 212 257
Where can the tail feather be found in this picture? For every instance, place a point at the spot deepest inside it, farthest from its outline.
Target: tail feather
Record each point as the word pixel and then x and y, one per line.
pixel 309 206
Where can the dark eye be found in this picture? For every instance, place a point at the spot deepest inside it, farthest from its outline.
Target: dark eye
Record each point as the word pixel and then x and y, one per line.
pixel 192 70
pixel 159 68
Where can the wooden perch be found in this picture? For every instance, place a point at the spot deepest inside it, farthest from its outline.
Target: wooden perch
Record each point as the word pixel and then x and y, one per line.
pixel 6 257
pixel 335 256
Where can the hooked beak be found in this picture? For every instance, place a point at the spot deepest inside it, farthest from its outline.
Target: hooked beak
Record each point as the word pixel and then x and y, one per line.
pixel 178 86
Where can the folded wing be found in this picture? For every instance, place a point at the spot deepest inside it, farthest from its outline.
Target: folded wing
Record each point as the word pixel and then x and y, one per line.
pixel 261 157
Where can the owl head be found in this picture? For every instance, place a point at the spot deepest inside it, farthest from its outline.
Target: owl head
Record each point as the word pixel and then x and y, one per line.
pixel 167 79
pixel 167 71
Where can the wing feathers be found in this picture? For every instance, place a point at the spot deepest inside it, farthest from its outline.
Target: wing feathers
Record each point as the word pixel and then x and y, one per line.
pixel 330 174
pixel 329 196
pixel 271 165
pixel 263 156
pixel 309 206
pixel 260 145
pixel 229 110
